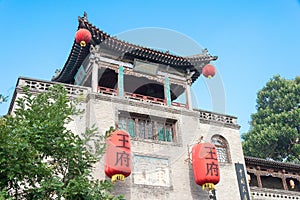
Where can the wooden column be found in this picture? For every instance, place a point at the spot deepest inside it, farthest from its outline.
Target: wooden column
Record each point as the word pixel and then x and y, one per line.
pixel 283 177
pixel 95 77
pixel 258 174
pixel 167 91
pixel 285 187
pixel 94 59
pixel 121 81
pixel 188 94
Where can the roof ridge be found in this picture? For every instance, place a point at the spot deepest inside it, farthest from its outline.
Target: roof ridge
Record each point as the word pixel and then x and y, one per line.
pixel 84 23
pixel 129 52
pixel 250 158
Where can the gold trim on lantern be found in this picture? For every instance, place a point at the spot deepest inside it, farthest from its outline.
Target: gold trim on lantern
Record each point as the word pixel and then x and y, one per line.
pixel 208 186
pixel 82 43
pixel 117 177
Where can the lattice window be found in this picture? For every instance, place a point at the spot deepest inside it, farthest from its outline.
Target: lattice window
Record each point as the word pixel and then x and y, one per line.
pixel 147 127
pixel 127 124
pixel 141 127
pixel 222 148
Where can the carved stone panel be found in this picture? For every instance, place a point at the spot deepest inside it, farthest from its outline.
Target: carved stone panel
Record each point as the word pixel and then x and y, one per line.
pixel 151 171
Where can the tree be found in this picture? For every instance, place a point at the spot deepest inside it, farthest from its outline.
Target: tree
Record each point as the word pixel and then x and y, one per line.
pixel 275 127
pixel 41 159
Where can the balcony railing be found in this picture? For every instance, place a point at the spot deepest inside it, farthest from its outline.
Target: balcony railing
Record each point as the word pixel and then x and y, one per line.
pixel 144 98
pixel 264 193
pixel 43 86
pixel 138 97
pixel 105 90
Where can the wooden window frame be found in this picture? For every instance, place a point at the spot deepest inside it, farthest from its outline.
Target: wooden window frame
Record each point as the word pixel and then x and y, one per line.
pixel 137 117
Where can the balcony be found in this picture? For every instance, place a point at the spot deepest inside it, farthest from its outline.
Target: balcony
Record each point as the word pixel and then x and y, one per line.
pixel 38 86
pixel 138 97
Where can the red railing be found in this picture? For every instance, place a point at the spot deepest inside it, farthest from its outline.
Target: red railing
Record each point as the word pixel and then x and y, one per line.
pixel 145 98
pixel 139 97
pixel 179 104
pixel 105 90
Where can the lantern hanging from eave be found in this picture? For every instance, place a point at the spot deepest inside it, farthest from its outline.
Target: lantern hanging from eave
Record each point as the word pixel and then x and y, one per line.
pixel 205 165
pixel 83 36
pixel 292 184
pixel 209 71
pixel 118 156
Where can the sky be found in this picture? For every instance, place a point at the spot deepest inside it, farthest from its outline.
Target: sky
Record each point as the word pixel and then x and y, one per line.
pixel 253 39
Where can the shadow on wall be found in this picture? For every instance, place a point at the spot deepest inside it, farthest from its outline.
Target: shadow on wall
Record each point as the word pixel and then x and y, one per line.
pixel 196 190
pixel 141 192
pixel 123 188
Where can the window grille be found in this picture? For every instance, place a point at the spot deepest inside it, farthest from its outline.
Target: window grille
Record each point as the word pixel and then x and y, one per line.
pixel 222 148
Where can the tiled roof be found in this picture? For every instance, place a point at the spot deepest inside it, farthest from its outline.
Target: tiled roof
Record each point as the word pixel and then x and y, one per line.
pixel 271 163
pixel 78 54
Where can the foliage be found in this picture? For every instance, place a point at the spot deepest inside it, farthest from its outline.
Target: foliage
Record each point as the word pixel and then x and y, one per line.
pixel 41 159
pixel 275 127
pixel 3 98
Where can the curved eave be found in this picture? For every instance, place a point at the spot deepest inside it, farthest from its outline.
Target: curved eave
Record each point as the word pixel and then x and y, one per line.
pixel 271 164
pixel 74 61
pixel 78 54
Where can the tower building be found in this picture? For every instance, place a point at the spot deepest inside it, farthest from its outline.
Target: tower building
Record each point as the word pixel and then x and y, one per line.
pixel 137 89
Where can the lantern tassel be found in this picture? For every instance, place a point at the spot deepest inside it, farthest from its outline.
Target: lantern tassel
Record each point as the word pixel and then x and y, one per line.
pixel 117 177
pixel 208 186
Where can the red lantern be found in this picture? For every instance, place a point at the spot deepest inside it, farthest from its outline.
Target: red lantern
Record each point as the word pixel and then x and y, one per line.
pixel 205 165
pixel 118 156
pixel 83 36
pixel 209 71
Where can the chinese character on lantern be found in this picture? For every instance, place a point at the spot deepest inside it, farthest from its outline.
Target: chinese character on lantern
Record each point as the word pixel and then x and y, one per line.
pixel 118 156
pixel 205 165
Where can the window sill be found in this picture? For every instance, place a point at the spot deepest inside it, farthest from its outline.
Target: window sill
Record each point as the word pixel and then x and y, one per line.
pixel 156 142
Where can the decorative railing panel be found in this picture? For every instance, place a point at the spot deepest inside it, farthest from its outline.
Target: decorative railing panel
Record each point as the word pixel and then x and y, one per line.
pixel 42 86
pixel 138 97
pixel 219 118
pixel 262 193
pixel 144 98
pixel 105 90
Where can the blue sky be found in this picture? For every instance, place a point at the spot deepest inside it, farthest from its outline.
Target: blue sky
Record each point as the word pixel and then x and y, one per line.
pixel 253 39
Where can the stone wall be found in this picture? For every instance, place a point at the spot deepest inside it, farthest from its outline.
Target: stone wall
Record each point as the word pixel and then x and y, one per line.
pixel 161 169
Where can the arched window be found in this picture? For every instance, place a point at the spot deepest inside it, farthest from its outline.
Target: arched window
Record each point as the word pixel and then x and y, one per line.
pixel 222 148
